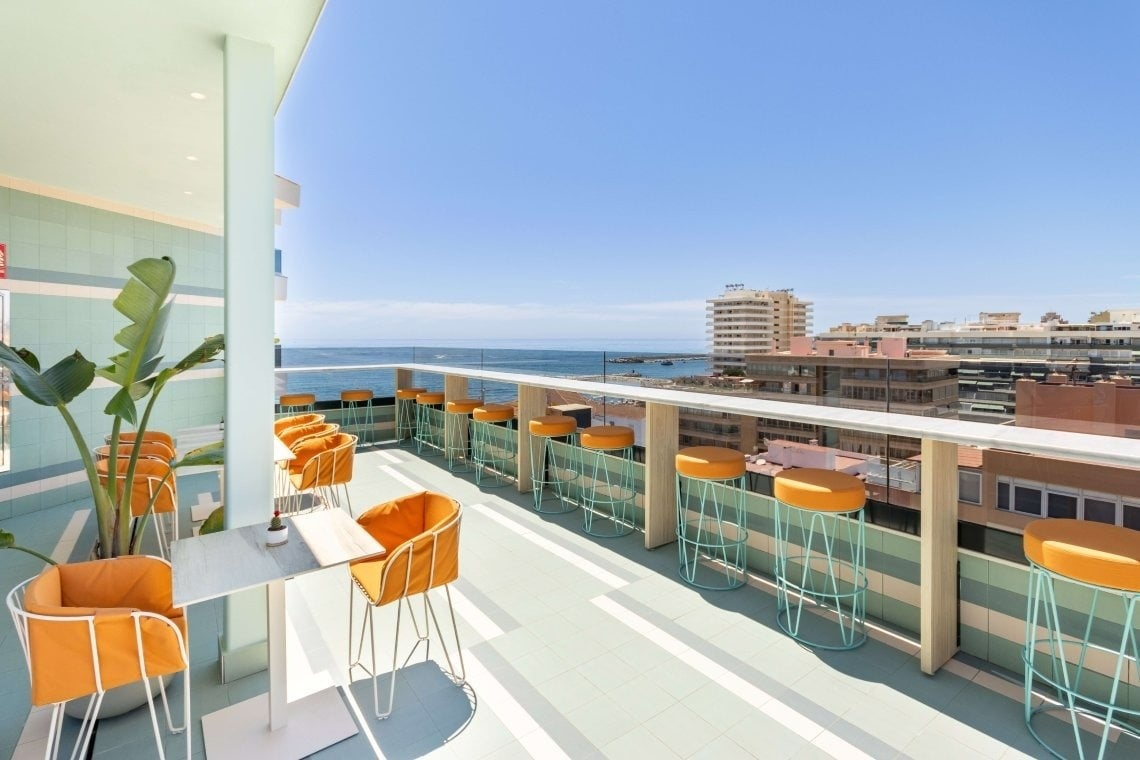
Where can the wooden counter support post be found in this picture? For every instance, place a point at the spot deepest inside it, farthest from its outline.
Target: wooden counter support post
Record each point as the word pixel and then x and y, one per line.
pixel 660 474
pixel 404 378
pixel 938 587
pixel 454 387
pixel 532 403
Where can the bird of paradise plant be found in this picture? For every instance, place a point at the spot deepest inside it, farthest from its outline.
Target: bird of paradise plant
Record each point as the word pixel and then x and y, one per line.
pixel 146 302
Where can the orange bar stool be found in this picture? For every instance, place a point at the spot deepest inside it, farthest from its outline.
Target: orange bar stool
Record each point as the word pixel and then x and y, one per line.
pixel 430 422
pixel 493 441
pixel 712 533
pixel 1082 562
pixel 821 555
pixel 457 432
pixel 295 403
pixel 552 464
pixel 356 414
pixel 608 493
pixel 406 414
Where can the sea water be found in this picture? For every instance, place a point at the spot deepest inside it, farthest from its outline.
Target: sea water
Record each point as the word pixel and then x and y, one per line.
pixel 594 365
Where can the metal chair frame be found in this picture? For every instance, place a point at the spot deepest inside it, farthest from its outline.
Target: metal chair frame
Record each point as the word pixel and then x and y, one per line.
pixel 20 618
pixel 423 636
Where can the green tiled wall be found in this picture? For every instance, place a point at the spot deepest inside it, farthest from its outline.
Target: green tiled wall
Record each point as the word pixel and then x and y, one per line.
pixel 67 243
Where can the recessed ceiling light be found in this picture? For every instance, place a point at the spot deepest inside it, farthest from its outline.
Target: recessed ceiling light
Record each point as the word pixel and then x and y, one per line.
pixel 188 192
pixel 197 96
pixel 191 158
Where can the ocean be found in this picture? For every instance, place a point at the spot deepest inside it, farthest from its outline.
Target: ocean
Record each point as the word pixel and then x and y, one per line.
pixel 327 385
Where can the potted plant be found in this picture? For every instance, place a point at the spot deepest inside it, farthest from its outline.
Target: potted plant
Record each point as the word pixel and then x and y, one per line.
pixel 278 532
pixel 146 302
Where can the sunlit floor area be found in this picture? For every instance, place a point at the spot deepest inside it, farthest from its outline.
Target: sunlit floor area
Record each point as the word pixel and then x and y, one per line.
pixel 573 647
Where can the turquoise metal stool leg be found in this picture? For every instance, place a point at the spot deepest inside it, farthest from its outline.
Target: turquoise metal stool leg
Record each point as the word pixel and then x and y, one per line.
pixel 553 465
pixel 821 558
pixel 1057 654
pixel 712 547
pixel 458 437
pixel 405 421
pixel 356 415
pixel 430 427
pixel 607 498
pixel 492 448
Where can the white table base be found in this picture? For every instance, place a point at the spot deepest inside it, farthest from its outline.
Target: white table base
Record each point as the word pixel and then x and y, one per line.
pixel 240 732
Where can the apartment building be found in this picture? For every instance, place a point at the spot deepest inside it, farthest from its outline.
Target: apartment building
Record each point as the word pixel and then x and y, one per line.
pixel 998 349
pixel 831 373
pixel 742 321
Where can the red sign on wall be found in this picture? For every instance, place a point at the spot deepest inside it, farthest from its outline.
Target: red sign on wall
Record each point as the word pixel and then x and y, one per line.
pixel 3 261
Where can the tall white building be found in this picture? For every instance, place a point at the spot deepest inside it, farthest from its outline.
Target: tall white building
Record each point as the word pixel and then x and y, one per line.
pixel 744 321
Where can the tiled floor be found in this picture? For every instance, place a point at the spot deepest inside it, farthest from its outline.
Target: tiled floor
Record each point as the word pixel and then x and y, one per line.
pixel 574 647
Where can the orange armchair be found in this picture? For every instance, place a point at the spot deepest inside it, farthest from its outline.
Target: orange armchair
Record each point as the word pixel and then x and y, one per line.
pixel 296 420
pixel 154 479
pixel 323 467
pixel 421 535
pixel 91 626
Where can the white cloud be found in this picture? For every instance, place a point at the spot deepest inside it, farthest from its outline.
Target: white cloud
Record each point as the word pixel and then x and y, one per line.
pixel 340 322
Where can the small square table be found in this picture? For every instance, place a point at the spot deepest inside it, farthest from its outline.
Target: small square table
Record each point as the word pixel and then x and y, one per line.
pixel 219 564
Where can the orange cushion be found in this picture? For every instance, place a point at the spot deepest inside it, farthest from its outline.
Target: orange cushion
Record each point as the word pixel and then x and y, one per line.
pixel 494 413
pixel 323 461
pixel 61 664
pixel 149 435
pixel 819 490
pixel 153 478
pixel 296 421
pixel 297 399
pixel 606 437
pixel 464 405
pixel 553 425
pixel 356 395
pixel 291 436
pixel 710 462
pixel 429 399
pixel 416 559
pixel 409 393
pixel 1087 551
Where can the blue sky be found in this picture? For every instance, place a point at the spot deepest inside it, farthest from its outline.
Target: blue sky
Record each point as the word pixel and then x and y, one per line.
pixel 588 173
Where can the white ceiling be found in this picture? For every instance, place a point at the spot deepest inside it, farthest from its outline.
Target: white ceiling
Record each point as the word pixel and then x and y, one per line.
pixel 95 96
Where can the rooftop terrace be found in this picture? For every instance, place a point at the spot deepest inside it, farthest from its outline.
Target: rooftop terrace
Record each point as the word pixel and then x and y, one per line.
pixel 582 647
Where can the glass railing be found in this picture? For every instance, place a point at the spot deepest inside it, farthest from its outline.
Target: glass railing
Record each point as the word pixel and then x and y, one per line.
pixel 1088 398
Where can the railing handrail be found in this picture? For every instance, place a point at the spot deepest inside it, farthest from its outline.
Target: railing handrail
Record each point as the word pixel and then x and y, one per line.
pixel 1084 447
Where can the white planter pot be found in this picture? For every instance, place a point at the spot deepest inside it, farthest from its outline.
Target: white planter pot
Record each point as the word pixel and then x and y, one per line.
pixel 117 701
pixel 276 537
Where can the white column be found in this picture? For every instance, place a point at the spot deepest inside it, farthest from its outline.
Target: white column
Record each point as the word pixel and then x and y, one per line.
pixel 249 107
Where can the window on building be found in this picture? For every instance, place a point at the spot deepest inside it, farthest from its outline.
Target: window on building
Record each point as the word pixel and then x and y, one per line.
pixel 1132 516
pixel 1003 495
pixel 1100 509
pixel 1062 505
pixel 970 486
pixel 1026 500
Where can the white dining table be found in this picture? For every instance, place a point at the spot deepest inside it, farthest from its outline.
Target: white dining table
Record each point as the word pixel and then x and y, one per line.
pixel 218 564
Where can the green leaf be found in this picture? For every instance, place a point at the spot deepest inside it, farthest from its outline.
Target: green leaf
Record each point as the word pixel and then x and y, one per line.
pixel 123 405
pixel 215 523
pixel 57 386
pixel 210 454
pixel 144 301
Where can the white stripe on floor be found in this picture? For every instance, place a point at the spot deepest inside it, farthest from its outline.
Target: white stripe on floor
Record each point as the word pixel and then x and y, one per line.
pixel 512 715
pixel 578 561
pixel 391 472
pixel 753 695
pixel 66 544
pixel 390 457
pixel 466 609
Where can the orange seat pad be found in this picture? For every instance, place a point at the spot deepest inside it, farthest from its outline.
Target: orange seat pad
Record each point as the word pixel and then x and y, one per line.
pixel 606 437
pixel 464 405
pixel 710 462
pixel 819 490
pixel 494 413
pixel 553 425
pixel 1087 551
